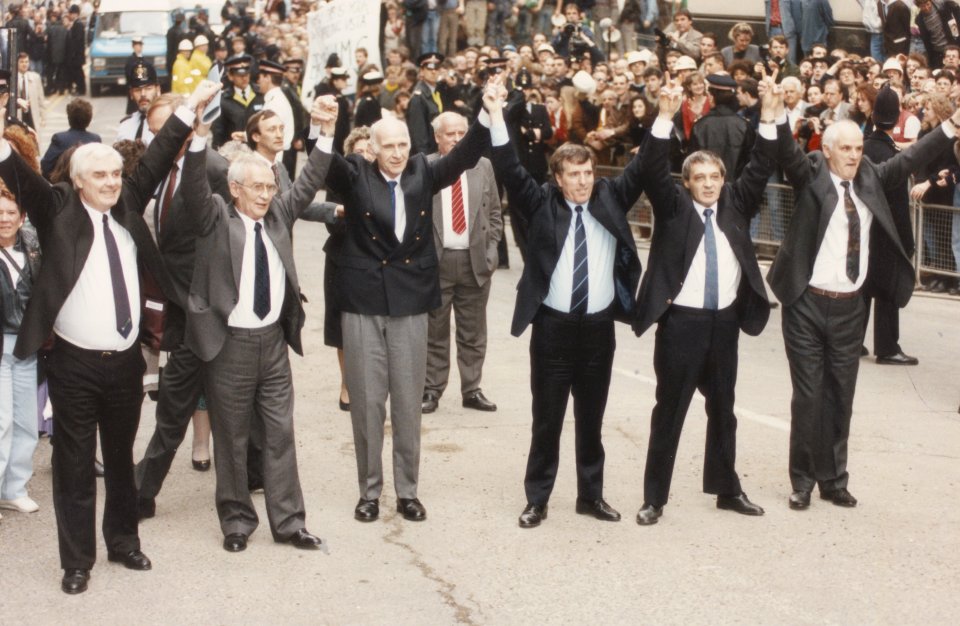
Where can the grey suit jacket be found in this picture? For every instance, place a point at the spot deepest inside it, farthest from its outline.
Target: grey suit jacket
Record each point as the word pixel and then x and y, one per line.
pixel 484 222
pixel 215 288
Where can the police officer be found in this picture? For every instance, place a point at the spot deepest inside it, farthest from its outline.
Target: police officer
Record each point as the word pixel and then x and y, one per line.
pixel 238 103
pixel 143 89
pixel 425 104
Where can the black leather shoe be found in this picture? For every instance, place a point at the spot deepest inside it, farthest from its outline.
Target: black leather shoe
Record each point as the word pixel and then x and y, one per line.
pixel 430 402
pixel 98 468
pixel 367 510
pixel 235 542
pixel 411 509
pixel 201 466
pixel 131 560
pixel 476 400
pixel 840 497
pixel 74 580
pixel 304 540
pixel 898 359
pixel 146 508
pixel 799 500
pixel 741 504
pixel 599 509
pixel 649 514
pixel 532 515
pixel 344 406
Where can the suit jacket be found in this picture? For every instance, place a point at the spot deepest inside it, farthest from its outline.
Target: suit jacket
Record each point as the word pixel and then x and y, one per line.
pixel 376 273
pixel 177 241
pixel 532 152
pixel 60 143
pixel 420 112
pixel 484 223
pixel 816 199
pixel 544 207
pixel 678 232
pixel 66 234
pixel 221 235
pixel 34 97
pixel 896 28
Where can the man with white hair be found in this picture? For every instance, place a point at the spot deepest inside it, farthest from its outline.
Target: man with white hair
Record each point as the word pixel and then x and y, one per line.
pixel 387 282
pixel 818 275
pixel 88 296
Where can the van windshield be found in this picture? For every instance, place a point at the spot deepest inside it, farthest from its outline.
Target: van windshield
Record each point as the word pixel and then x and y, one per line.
pixel 130 23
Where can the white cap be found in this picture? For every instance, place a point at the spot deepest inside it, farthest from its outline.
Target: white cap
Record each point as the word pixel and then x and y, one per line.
pixel 201 40
pixel 584 83
pixel 684 63
pixel 185 46
pixel 892 64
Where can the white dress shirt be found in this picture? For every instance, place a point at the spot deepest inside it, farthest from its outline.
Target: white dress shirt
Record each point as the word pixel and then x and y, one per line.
pixel 830 267
pixel 88 318
pixel 601 249
pixel 128 129
pixel 399 207
pixel 275 101
pixel 451 239
pixel 242 315
pixel 728 269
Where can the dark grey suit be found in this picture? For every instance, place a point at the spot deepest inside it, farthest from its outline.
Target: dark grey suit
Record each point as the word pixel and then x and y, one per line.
pixel 465 283
pixel 248 371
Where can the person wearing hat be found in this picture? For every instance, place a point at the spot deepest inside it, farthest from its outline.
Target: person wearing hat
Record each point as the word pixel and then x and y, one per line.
pixel 142 89
pixel 293 68
pixel 683 67
pixel 182 79
pixel 335 85
pixel 368 108
pixel 270 83
pixel 721 130
pixel 76 52
pixel 425 104
pixel 220 59
pixel 175 34
pixel 893 70
pixel 879 147
pixel 200 62
pixel 637 62
pixel 238 102
pixel 136 56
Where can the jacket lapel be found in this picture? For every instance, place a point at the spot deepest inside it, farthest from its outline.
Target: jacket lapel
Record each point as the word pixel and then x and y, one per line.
pixel 823 188
pixel 281 241
pixel 563 215
pixel 238 237
pixel 694 229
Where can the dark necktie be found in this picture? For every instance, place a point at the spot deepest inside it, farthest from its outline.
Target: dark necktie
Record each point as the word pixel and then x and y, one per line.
pixel 276 174
pixel 261 275
pixel 458 219
pixel 711 288
pixel 853 234
pixel 121 301
pixel 581 282
pixel 393 203
pixel 139 134
pixel 168 196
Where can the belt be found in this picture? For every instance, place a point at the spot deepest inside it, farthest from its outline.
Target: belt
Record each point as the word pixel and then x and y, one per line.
pixel 600 316
pixel 62 344
pixel 834 295
pixel 253 332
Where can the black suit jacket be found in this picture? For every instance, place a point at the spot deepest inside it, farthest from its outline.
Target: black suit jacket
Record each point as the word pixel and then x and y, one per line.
pixel 66 234
pixel 816 199
pixel 896 29
pixel 377 274
pixel 678 232
pixel 549 217
pixel 61 142
pixel 420 112
pixel 521 123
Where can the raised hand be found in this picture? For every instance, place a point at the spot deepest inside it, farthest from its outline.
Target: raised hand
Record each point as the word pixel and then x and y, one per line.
pixel 202 96
pixel 324 113
pixel 671 97
pixel 494 94
pixel 771 98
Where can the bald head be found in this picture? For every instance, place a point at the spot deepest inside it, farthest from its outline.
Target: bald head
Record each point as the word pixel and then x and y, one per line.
pixel 390 140
pixel 842 145
pixel 448 129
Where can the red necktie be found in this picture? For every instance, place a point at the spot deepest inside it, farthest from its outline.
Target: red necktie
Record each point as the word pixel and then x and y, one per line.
pixel 459 221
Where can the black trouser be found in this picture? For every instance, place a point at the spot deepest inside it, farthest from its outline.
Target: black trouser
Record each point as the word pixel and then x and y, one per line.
pixel 695 349
pixel 75 78
pixel 90 388
pixel 569 355
pixel 181 383
pixel 55 77
pixel 822 337
pixel 886 325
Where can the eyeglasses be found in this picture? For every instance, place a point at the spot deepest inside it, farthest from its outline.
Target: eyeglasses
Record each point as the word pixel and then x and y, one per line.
pixel 261 188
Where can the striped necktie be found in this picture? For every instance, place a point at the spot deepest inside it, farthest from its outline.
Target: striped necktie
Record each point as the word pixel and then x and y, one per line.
pixel 581 282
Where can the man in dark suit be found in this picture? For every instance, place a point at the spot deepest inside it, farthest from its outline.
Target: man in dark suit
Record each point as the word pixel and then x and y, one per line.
pixel 895 20
pixel 880 147
pixel 76 51
pixel 386 282
pixel 243 310
pixel 425 104
pixel 466 228
pixel 79 115
pixel 94 240
pixel 181 380
pixel 818 276
pixel 702 287
pixel 580 275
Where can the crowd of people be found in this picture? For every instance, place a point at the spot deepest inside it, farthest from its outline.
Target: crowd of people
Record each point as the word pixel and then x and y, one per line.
pixel 472 109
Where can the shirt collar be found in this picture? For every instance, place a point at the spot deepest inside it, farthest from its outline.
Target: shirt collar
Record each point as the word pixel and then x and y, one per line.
pixel 837 182
pixel 387 177
pixel 248 221
pixel 700 209
pixel 95 215
pixel 573 206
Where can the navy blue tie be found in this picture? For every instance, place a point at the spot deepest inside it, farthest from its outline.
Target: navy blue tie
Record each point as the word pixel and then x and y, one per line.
pixel 261 275
pixel 711 289
pixel 393 203
pixel 581 282
pixel 121 301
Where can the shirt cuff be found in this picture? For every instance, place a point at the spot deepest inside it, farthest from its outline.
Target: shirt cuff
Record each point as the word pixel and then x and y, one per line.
pixel 325 144
pixel 5 150
pixel 314 132
pixel 198 143
pixel 484 118
pixel 661 128
pixel 186 115
pixel 949 130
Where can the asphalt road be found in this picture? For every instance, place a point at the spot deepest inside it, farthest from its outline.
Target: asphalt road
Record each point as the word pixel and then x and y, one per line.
pixel 893 559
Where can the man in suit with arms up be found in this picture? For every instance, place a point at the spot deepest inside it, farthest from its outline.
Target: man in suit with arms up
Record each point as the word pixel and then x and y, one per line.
pixel 387 282
pixel 94 240
pixel 467 228
pixel 818 275
pixel 243 310
pixel 702 286
pixel 581 274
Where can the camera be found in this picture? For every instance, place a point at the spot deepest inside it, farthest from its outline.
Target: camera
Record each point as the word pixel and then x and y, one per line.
pixel 662 37
pixel 570 30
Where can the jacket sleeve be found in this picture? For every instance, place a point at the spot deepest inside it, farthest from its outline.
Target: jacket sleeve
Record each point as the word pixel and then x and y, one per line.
pixel 525 195
pixel 894 172
pixel 795 164
pixel 653 158
pixel 464 156
pixel 295 200
pixel 197 197
pixel 749 186
pixel 630 184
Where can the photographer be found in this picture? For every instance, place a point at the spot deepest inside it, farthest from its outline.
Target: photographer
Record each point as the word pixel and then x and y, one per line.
pixel 681 35
pixel 575 38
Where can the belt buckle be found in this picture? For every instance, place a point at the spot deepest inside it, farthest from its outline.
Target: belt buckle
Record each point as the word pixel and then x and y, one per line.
pixel 106 354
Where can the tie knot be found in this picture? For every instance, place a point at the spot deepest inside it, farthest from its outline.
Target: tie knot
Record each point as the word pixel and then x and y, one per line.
pixel 106 219
pixel 845 184
pixel 708 213
pixel 257 227
pixel 578 209
pixel 392 184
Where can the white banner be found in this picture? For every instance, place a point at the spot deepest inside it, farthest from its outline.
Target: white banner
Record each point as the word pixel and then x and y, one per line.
pixel 341 26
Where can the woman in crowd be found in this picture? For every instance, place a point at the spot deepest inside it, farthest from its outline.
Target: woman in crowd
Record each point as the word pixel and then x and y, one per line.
pixel 862 112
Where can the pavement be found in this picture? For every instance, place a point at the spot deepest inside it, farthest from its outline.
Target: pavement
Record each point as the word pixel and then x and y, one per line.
pixel 895 558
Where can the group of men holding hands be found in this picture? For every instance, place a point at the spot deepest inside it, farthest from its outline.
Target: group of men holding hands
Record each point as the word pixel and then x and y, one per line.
pixel 243 306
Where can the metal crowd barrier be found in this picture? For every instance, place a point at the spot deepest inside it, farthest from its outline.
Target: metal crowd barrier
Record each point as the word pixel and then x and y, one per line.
pixel 937 240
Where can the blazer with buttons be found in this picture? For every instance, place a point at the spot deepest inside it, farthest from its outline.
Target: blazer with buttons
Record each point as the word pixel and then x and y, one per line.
pixel 221 236
pixel 376 273
pixel 678 231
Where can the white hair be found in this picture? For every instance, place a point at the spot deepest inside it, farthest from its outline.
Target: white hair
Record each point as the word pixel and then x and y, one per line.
pixel 830 135
pixel 383 125
pixel 89 156
pixel 443 118
pixel 792 80
pixel 241 165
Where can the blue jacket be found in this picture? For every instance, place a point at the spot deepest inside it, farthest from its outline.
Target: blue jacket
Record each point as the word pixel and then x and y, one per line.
pixel 60 143
pixel 816 24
